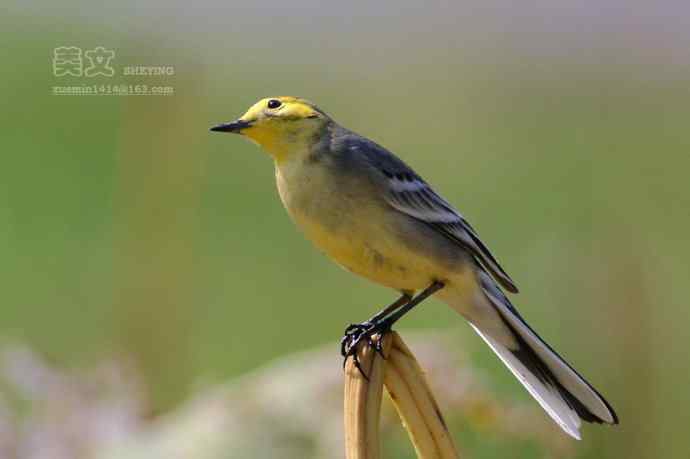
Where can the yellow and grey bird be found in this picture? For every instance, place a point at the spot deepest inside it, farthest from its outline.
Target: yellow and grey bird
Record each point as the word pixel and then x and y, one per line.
pixel 371 213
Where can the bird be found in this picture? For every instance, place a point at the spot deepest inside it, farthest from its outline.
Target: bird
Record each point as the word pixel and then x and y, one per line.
pixel 375 216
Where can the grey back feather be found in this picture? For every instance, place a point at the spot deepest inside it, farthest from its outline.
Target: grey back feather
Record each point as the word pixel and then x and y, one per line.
pixel 408 193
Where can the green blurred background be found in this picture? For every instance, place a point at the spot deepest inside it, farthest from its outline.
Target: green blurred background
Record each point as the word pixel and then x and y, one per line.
pixel 561 132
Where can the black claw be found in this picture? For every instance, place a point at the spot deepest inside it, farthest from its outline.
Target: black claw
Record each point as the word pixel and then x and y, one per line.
pixel 378 347
pixel 380 324
pixel 343 346
pixel 359 366
pixel 355 333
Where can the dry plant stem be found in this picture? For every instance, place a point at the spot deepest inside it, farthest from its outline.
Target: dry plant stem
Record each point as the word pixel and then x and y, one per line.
pixel 363 401
pixel 412 397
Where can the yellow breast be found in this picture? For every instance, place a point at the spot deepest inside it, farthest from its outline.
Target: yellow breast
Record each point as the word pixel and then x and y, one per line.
pixel 352 232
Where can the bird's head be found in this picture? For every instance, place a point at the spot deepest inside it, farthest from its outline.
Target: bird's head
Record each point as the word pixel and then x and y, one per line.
pixel 279 124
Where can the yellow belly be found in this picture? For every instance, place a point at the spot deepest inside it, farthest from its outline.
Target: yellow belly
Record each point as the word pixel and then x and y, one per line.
pixel 372 253
pixel 351 230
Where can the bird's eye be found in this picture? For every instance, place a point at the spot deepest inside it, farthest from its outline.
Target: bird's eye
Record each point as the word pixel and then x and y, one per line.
pixel 274 103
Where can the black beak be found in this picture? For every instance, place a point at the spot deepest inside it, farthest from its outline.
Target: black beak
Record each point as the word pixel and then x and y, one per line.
pixel 235 126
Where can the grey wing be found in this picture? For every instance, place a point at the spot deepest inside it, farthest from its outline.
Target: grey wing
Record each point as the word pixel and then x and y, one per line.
pixel 411 195
pixel 408 193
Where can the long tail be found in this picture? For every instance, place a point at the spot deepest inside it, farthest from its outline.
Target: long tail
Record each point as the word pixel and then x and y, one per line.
pixel 565 395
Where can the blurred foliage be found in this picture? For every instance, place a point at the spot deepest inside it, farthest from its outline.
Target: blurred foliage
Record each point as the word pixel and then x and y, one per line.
pixel 126 228
pixel 101 412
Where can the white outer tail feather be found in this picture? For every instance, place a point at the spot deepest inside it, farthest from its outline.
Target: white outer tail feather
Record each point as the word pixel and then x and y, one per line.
pixel 558 402
pixel 548 397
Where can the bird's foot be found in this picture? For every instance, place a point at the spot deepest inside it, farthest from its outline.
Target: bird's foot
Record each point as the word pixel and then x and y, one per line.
pixel 357 333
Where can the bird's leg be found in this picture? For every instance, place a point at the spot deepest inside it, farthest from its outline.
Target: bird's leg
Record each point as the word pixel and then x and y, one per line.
pixel 385 324
pixel 381 323
pixel 403 300
pixel 357 329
